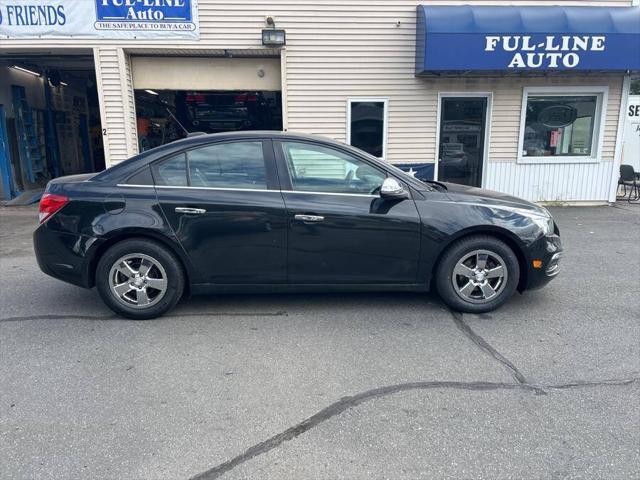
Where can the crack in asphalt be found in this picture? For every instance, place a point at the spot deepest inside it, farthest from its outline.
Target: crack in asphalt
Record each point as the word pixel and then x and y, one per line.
pixel 459 322
pixel 59 317
pixel 349 402
pixel 115 317
pixel 346 403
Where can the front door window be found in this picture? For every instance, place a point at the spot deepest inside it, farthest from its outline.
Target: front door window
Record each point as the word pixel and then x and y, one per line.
pixel 314 168
pixel 462 132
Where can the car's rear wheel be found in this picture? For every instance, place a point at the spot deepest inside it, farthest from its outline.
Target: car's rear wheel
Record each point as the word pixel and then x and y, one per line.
pixel 477 274
pixel 139 279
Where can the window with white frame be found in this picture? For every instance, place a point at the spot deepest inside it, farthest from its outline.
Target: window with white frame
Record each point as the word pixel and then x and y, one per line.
pixel 561 125
pixel 367 125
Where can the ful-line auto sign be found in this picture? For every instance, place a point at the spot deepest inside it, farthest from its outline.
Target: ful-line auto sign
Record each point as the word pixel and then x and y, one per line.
pixel 126 19
pixel 548 52
pixel 144 14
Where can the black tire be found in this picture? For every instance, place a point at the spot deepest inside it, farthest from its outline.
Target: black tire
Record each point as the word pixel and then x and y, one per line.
pixel 460 250
pixel 155 251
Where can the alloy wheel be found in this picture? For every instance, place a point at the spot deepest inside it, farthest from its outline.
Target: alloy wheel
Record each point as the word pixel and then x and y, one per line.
pixel 480 276
pixel 138 280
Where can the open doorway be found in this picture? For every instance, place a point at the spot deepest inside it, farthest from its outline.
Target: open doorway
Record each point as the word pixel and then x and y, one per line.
pixel 49 118
pixel 167 115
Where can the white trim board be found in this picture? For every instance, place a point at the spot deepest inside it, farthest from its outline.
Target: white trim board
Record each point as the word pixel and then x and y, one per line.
pixel 617 155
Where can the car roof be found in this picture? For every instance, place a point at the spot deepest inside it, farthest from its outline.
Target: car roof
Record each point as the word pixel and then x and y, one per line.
pixel 194 140
pixel 133 164
pixel 269 134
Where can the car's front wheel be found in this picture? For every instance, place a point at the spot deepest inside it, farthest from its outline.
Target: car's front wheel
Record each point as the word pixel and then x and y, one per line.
pixel 477 274
pixel 139 279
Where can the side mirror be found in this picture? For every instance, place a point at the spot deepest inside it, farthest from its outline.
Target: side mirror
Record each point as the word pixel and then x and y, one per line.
pixel 392 189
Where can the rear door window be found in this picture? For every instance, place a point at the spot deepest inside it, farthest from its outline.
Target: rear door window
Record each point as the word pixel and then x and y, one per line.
pixel 228 165
pixel 222 165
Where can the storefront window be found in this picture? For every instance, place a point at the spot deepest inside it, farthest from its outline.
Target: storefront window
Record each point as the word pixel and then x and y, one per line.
pixel 366 125
pixel 560 125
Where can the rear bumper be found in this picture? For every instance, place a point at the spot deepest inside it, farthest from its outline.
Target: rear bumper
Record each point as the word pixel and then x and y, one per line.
pixel 549 250
pixel 64 255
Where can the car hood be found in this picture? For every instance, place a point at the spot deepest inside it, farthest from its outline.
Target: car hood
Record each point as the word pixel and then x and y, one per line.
pixel 479 196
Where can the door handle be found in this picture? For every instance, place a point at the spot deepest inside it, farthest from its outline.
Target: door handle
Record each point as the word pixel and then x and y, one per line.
pixel 309 218
pixel 190 211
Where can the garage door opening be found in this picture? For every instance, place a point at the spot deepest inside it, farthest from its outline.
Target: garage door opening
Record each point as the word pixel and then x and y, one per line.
pixel 178 95
pixel 167 115
pixel 49 119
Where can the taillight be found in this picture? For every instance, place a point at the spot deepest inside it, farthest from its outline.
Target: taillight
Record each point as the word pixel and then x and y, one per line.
pixel 50 204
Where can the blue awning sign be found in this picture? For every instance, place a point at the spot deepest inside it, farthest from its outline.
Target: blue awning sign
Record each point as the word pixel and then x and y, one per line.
pixel 461 38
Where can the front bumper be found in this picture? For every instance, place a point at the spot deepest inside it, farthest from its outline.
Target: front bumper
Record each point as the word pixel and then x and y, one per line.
pixel 549 251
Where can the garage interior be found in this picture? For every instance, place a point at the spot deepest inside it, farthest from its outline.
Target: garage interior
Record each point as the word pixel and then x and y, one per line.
pixel 49 119
pixel 50 122
pixel 179 95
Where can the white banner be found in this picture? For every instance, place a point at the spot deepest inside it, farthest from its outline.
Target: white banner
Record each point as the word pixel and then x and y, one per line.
pixel 631 134
pixel 99 19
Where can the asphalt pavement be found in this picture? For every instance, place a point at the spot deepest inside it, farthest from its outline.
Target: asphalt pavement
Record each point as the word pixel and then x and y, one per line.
pixel 354 386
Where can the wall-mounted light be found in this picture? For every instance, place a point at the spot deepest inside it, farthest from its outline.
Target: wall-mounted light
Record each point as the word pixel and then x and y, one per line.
pixel 151 92
pixel 25 70
pixel 273 38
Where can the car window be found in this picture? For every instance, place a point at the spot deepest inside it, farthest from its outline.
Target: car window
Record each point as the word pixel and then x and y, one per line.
pixel 171 172
pixel 314 168
pixel 228 165
pixel 141 177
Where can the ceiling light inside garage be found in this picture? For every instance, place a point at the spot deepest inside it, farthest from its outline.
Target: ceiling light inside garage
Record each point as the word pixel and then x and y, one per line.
pixel 25 70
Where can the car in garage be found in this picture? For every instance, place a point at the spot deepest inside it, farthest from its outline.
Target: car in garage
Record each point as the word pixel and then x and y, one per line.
pixel 278 212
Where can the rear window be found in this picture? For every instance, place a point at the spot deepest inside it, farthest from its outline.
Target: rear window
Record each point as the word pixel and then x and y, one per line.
pixel 141 177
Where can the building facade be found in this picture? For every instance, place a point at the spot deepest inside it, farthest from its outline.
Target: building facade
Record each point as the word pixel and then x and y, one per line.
pixel 358 72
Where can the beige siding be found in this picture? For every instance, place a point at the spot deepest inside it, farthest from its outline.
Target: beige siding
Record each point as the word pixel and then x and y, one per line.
pixel 335 50
pixel 349 51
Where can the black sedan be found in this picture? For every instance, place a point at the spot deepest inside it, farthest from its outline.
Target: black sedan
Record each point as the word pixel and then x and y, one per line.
pixel 271 212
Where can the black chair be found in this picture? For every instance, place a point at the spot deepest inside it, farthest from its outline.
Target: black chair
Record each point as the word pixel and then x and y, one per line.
pixel 628 179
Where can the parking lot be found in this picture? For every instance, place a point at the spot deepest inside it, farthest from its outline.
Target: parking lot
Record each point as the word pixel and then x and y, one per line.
pixel 328 386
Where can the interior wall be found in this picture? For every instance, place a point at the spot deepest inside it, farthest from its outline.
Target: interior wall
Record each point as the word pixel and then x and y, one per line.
pixel 77 143
pixel 34 88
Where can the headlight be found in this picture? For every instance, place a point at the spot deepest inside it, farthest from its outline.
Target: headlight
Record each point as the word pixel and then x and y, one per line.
pixel 542 218
pixel 545 223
